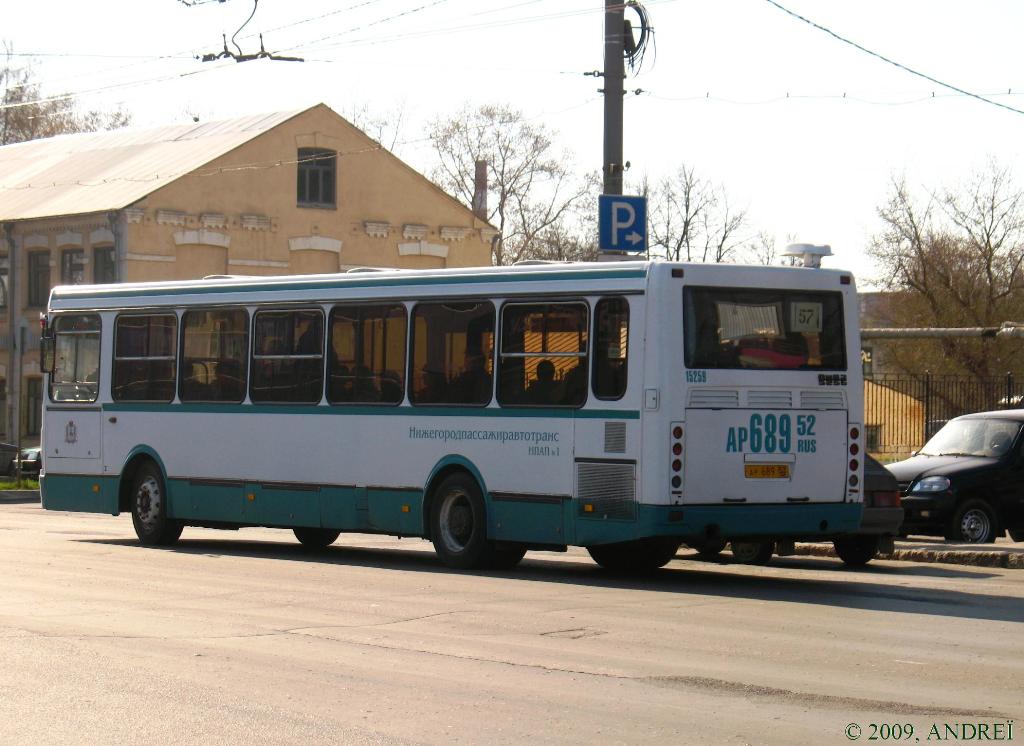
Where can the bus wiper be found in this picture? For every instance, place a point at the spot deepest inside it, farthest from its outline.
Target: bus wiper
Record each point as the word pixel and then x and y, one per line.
pixel 954 453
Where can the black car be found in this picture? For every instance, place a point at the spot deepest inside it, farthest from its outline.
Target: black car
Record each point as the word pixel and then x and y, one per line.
pixel 881 521
pixel 8 454
pixel 31 462
pixel 967 482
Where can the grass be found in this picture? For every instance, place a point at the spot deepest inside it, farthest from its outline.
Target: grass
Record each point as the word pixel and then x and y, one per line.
pixel 24 484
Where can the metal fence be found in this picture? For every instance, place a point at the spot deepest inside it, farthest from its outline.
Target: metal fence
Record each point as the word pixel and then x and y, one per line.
pixel 903 411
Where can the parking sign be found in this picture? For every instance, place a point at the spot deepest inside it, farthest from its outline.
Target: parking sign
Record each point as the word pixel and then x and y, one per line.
pixel 622 223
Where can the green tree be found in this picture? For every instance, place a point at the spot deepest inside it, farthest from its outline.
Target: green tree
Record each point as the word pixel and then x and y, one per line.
pixel 27 113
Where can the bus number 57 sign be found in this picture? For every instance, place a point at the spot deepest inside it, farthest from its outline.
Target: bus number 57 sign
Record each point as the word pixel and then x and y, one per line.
pixel 622 223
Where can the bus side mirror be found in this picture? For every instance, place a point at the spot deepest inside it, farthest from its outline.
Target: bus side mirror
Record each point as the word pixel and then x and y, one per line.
pixel 46 355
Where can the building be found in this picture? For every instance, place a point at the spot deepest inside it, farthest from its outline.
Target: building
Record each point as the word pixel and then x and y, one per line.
pixel 286 193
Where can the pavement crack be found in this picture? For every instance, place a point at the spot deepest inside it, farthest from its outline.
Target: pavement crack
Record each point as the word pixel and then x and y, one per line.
pixel 804 698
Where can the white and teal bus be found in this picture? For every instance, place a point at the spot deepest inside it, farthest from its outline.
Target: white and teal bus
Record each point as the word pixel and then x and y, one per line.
pixel 623 407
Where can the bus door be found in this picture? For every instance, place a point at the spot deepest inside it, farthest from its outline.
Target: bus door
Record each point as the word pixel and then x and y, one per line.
pixel 73 419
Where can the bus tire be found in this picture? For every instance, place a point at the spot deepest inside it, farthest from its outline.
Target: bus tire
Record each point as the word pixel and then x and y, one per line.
pixel 149 508
pixel 505 558
pixel 753 552
pixel 316 538
pixel 458 524
pixel 641 555
pixel 856 551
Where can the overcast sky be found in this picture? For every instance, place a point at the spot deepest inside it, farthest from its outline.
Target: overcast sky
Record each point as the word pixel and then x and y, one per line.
pixel 803 130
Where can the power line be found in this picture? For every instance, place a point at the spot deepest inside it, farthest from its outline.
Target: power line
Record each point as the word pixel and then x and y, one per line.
pixel 789 96
pixel 903 67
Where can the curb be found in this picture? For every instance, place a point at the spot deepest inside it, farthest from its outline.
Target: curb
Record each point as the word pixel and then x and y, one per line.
pixel 1009 560
pixel 19 496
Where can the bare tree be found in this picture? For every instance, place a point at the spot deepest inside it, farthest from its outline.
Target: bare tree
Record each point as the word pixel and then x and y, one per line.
pixel 532 193
pixel 955 258
pixel 692 219
pixel 27 114
pixel 761 249
pixel 384 127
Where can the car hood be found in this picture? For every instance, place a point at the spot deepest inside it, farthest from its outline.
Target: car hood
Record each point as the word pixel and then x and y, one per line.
pixel 938 466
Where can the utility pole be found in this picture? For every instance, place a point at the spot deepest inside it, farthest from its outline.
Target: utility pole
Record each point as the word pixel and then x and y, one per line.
pixel 614 75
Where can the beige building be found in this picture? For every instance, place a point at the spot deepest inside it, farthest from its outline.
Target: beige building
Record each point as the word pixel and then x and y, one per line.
pixel 285 193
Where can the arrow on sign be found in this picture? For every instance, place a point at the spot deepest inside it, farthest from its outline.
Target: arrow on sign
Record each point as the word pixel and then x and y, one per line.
pixel 634 238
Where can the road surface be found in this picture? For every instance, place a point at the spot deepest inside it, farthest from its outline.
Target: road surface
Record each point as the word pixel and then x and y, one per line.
pixel 245 638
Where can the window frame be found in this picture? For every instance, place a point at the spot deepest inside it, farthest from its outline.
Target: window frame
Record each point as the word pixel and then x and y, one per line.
pixel 96 251
pixel 181 352
pixel 411 357
pixel 35 272
pixel 253 357
pixel 594 347
pixel 406 347
pixel 500 354
pixel 312 161
pixel 68 265
pixel 174 358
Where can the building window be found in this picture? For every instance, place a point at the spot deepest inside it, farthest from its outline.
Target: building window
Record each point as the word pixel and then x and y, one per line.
pixel 215 349
pixel 104 265
pixel 367 362
pixel 543 355
pixel 76 369
pixel 317 173
pixel 145 356
pixel 33 405
pixel 3 288
pixel 72 266
pixel 611 332
pixel 288 357
pixel 38 278
pixel 452 353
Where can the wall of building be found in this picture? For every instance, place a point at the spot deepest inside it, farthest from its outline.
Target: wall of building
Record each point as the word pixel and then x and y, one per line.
pixel 239 213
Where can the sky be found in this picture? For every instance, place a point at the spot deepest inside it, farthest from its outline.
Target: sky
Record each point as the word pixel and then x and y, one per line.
pixel 803 131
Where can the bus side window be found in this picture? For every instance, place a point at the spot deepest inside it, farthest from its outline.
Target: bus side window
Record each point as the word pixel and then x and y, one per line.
pixel 543 360
pixel 452 353
pixel 288 357
pixel 366 354
pixel 145 357
pixel 611 348
pixel 215 350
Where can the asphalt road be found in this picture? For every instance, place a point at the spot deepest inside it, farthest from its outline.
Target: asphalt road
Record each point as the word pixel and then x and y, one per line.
pixel 244 638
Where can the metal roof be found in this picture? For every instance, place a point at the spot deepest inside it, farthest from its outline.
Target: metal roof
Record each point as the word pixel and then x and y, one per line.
pixel 99 171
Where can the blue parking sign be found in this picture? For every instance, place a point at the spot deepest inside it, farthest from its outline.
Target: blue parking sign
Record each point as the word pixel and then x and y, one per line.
pixel 622 223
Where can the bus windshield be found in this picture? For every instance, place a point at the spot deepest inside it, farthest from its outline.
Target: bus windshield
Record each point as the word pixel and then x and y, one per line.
pixel 743 328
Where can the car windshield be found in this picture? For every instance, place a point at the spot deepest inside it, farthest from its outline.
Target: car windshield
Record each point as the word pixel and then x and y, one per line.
pixel 973 437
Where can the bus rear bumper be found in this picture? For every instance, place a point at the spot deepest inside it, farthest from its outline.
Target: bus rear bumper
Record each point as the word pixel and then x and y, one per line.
pixel 82 493
pixel 698 522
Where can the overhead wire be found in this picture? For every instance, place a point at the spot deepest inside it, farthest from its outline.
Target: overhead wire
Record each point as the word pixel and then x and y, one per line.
pixel 885 59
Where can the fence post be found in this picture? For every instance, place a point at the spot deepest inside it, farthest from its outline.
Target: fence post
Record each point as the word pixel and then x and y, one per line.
pixel 1009 390
pixel 927 405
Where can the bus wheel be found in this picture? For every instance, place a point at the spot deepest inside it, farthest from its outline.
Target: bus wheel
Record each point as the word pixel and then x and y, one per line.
pixel 753 552
pixel 149 508
pixel 505 558
pixel 641 555
pixel 458 524
pixel 856 551
pixel 316 538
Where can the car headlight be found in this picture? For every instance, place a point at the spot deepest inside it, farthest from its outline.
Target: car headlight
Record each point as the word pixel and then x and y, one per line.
pixel 930 484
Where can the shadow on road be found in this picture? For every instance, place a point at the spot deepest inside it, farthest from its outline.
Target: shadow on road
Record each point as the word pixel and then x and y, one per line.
pixel 871 588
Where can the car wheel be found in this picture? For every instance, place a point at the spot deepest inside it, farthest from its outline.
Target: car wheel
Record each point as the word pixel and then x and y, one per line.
pixel 974 522
pixel 316 538
pixel 641 555
pixel 458 524
pixel 856 551
pixel 149 508
pixel 752 552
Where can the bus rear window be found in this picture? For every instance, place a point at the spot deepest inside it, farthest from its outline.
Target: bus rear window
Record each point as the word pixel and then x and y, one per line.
pixel 744 328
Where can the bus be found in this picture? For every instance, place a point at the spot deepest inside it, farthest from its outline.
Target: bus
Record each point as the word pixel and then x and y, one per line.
pixel 624 407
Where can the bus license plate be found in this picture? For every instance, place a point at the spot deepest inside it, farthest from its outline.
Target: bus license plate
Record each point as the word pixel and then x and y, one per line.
pixel 766 471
